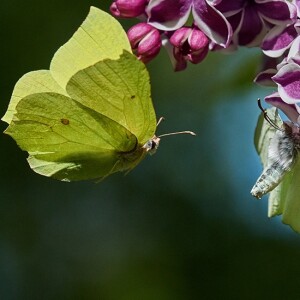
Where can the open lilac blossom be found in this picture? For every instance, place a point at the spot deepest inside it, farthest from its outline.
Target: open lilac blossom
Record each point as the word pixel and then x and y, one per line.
pixel 145 41
pixel 269 69
pixel 281 37
pixel 292 111
pixel 170 15
pixel 189 44
pixel 294 53
pixel 288 82
pixel 264 78
pixel 251 19
pixel 287 75
pixel 287 79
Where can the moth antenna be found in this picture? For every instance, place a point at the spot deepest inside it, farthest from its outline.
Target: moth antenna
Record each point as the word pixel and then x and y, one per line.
pixel 160 120
pixel 266 117
pixel 178 132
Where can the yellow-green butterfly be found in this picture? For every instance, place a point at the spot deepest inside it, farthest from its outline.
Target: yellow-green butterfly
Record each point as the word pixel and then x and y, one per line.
pixel 91 114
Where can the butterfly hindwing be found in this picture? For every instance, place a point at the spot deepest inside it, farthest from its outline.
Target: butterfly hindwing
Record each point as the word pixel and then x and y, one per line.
pixel 55 128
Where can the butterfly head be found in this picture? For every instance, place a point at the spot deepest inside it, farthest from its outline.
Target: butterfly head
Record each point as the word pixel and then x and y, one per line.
pixel 152 145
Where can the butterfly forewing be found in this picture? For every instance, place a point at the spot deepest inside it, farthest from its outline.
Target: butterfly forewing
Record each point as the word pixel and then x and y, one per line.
pixel 120 90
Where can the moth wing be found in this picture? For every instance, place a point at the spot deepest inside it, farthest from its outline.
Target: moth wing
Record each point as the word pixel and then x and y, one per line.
pixel 264 132
pixel 284 199
pixel 289 195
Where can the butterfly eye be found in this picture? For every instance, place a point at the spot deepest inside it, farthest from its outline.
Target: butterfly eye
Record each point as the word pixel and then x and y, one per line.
pixel 149 145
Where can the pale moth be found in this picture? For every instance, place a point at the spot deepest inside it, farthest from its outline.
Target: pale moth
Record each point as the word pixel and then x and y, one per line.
pixel 282 153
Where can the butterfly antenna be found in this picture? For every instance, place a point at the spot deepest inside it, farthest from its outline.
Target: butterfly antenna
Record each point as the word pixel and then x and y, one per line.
pixel 172 133
pixel 160 120
pixel 179 132
pixel 266 117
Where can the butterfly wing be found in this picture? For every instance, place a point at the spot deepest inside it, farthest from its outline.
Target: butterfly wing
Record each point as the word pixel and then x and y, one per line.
pixel 31 83
pixel 91 113
pixel 55 129
pixel 99 37
pixel 90 62
pixel 119 89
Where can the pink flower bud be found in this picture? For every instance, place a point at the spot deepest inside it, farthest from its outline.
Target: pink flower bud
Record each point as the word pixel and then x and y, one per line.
pixel 190 44
pixel 145 40
pixel 128 8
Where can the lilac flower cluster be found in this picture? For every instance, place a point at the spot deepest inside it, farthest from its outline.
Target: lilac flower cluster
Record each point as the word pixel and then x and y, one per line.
pixel 189 29
pixel 164 22
pixel 282 49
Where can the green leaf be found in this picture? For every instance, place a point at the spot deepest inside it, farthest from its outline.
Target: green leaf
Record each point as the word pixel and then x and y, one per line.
pixel 91 114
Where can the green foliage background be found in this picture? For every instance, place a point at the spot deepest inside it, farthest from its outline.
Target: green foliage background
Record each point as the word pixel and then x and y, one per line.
pixel 180 226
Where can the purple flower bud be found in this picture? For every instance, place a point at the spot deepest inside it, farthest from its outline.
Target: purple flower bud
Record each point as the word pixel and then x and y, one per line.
pixel 145 40
pixel 190 44
pixel 128 8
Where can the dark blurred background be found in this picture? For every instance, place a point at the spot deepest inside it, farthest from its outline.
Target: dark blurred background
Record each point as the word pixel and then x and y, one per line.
pixel 182 225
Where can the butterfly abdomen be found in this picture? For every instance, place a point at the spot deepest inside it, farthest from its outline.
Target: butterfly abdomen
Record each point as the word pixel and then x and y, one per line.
pixel 268 180
pixel 281 158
